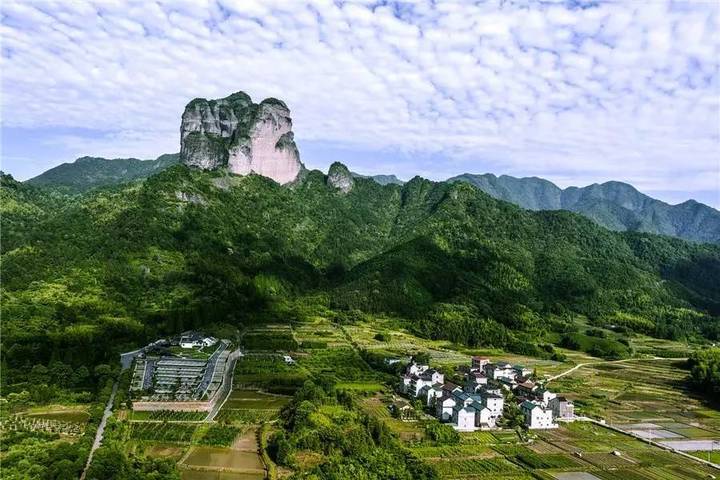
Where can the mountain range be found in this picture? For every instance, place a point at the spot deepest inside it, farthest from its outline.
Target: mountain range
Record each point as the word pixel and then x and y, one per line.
pixel 196 244
pixel 614 205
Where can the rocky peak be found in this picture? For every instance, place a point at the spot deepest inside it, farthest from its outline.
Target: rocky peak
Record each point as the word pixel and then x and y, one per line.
pixel 340 177
pixel 245 137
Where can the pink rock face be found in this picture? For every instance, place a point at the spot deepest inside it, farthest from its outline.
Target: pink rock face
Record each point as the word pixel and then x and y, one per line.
pixel 265 153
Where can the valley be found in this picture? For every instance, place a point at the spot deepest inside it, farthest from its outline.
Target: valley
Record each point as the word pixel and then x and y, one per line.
pixel 646 396
pixel 282 304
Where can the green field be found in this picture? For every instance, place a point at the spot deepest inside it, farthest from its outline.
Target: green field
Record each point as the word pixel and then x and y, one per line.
pixel 628 391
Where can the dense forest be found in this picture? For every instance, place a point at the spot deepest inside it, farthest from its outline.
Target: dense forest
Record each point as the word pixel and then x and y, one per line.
pixel 118 265
pixel 326 421
pixel 704 368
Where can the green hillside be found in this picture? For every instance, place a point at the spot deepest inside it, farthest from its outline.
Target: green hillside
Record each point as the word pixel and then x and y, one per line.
pixel 86 173
pixel 187 248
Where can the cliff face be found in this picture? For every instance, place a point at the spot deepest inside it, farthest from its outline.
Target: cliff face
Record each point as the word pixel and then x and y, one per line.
pixel 340 177
pixel 245 137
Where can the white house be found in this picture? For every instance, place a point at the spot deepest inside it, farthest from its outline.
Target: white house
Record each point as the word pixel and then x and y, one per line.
pixel 537 417
pixel 196 340
pixel 415 369
pixel 463 417
pixel 474 380
pixel 416 383
pixel 544 396
pixel 444 407
pixel 493 402
pixel 522 370
pixel 500 370
pixel 436 391
pixel 562 408
pixel 484 418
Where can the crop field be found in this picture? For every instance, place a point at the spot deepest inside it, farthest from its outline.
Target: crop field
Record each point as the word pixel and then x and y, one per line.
pixel 497 467
pixel 647 398
pixel 30 423
pixel 251 407
pixel 631 390
pixel 61 413
pixel 344 363
pixel 160 450
pixel 319 333
pixel 162 432
pixel 444 354
pixel 403 344
pixel 167 416
pixel 268 372
pixel 270 338
pixel 217 475
pixel 377 406
pixel 238 458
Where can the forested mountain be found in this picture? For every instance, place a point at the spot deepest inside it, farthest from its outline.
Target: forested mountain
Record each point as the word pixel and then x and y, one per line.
pixel 614 205
pixel 187 248
pixel 91 172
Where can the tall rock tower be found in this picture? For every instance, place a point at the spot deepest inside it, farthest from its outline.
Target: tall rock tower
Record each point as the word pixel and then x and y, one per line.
pixel 245 137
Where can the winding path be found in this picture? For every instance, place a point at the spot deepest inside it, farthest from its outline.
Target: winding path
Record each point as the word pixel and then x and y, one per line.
pixel 100 429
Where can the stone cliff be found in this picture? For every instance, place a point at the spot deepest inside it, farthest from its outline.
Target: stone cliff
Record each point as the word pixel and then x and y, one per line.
pixel 340 177
pixel 245 137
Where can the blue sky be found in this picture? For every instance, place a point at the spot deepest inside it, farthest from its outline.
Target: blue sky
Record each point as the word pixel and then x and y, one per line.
pixel 576 92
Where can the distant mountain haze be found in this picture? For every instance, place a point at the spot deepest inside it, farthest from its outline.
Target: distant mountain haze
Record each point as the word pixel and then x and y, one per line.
pixel 614 205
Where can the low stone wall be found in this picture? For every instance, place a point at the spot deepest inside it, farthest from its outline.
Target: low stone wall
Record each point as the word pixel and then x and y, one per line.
pixel 174 406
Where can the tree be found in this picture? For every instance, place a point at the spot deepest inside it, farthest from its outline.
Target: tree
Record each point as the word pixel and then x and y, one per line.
pixel 80 376
pixel 61 373
pixel 39 374
pixel 513 416
pixel 705 371
pixel 442 433
pixel 109 463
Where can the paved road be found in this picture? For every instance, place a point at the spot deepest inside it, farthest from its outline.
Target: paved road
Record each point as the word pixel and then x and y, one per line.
pixel 224 391
pixel 210 370
pixel 100 430
pixel 580 365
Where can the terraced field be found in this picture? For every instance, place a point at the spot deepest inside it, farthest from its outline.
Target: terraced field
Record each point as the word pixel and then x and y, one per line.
pixel 251 407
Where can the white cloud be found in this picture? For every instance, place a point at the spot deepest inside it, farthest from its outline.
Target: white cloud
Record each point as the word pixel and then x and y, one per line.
pixel 619 90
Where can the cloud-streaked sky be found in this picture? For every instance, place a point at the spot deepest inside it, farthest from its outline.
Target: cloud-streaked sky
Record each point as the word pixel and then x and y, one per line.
pixel 576 92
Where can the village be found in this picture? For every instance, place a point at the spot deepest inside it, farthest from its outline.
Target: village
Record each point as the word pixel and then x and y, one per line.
pixel 479 404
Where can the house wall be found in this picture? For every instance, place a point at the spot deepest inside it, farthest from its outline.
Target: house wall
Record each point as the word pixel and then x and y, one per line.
pixel 465 421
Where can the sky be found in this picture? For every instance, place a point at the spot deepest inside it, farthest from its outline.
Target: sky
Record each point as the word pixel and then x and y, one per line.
pixel 576 92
